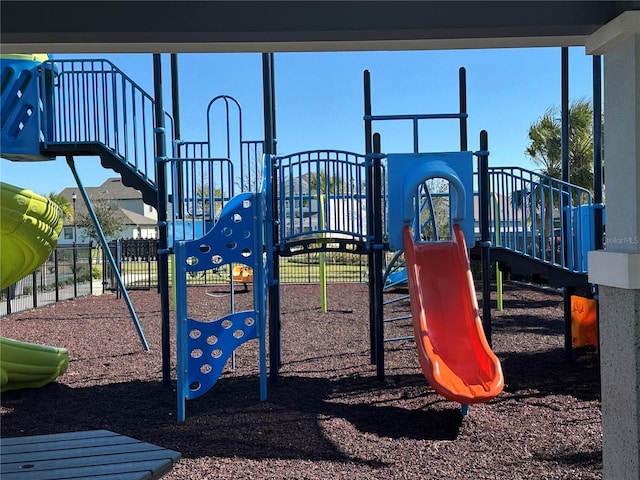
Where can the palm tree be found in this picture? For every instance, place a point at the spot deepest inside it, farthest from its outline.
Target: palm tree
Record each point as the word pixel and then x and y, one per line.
pixel 545 150
pixel 63 203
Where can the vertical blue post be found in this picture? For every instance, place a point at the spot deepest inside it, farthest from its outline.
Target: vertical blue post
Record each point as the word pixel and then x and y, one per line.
pixel 181 331
pixel 565 113
pixel 565 200
pixel 259 290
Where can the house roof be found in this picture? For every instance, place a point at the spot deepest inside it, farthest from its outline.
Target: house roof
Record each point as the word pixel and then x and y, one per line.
pixel 110 189
pixel 113 190
pixel 133 218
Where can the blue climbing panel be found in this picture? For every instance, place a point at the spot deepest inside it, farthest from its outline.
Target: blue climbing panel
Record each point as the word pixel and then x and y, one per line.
pixel 210 344
pixel 21 109
pixel 204 346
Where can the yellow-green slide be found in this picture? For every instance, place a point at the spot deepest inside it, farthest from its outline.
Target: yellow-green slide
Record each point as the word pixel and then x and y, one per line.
pixel 27 365
pixel 30 225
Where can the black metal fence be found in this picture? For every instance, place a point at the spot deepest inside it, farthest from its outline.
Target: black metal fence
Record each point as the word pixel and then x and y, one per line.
pixel 67 273
pixel 137 262
pixel 78 270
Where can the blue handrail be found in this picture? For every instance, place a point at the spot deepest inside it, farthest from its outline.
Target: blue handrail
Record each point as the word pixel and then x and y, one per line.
pixel 539 216
pixel 95 102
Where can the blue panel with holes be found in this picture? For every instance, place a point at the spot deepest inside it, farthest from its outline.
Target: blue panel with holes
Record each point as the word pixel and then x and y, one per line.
pixel 203 347
pixel 210 345
pixel 232 239
pixel 21 110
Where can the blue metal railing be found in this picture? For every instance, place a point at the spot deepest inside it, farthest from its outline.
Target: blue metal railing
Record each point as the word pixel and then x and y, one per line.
pixel 207 173
pixel 207 184
pixel 95 102
pixel 539 216
pixel 322 192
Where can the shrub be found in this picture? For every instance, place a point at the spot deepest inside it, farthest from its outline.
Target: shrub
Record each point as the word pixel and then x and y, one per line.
pixel 96 272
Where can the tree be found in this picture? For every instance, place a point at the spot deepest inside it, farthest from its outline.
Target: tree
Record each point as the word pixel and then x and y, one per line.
pixel 63 203
pixel 333 187
pixel 545 150
pixel 109 217
pixel 204 200
pixel 545 140
pixel 435 213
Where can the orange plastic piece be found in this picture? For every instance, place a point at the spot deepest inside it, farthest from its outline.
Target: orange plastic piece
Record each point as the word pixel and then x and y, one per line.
pixel 243 274
pixel 453 351
pixel 584 327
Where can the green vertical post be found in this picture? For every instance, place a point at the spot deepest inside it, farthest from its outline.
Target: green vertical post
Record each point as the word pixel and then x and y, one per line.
pixel 496 217
pixel 172 265
pixel 322 259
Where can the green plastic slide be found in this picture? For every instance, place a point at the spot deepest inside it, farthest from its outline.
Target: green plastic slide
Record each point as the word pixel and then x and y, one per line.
pixel 30 225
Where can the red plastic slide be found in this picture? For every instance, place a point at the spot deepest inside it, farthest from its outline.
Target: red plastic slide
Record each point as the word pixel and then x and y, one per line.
pixel 454 354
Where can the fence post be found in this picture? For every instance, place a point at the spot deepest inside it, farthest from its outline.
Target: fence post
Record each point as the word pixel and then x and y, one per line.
pixel 34 288
pixel 90 267
pixel 8 290
pixel 75 270
pixel 55 274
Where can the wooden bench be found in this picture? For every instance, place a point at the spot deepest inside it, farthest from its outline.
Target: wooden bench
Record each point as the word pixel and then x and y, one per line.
pixel 97 453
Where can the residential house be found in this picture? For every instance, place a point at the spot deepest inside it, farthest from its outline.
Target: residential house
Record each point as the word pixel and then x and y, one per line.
pixel 140 220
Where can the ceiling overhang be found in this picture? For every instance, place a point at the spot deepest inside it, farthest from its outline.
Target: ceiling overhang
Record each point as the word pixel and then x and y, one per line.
pixel 260 26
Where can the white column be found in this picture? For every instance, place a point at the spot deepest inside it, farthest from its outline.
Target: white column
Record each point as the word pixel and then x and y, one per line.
pixel 617 268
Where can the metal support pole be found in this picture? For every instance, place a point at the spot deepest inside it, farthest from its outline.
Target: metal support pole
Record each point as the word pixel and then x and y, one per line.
pixel 485 239
pixel 462 77
pixel 105 246
pixel 568 340
pixel 74 197
pixel 370 214
pixel 275 334
pixel 597 149
pixel 565 115
pixel 175 109
pixel 565 200
pixel 163 250
pixel 376 275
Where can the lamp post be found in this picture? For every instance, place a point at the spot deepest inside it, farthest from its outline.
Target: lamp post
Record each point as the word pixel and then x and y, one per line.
pixel 75 252
pixel 73 199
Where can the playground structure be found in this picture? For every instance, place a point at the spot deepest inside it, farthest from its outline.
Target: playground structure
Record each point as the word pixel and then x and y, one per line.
pixel 90 108
pixel 29 228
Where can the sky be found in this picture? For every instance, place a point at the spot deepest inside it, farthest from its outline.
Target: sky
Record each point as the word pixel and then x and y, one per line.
pixel 319 101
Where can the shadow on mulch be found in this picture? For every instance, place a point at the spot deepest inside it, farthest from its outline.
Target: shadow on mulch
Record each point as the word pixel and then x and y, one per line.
pixel 229 421
pixel 544 373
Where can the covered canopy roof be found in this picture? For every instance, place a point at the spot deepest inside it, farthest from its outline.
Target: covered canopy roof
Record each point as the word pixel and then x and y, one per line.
pixel 212 26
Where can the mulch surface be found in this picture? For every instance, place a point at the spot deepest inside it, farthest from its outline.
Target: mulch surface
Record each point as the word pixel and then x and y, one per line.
pixel 328 417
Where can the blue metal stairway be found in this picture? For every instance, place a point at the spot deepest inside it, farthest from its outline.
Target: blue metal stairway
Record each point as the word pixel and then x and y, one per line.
pixel 540 226
pixel 80 108
pixel 98 110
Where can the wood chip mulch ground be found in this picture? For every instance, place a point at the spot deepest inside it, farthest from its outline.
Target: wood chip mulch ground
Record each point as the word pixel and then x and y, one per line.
pixel 328 417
